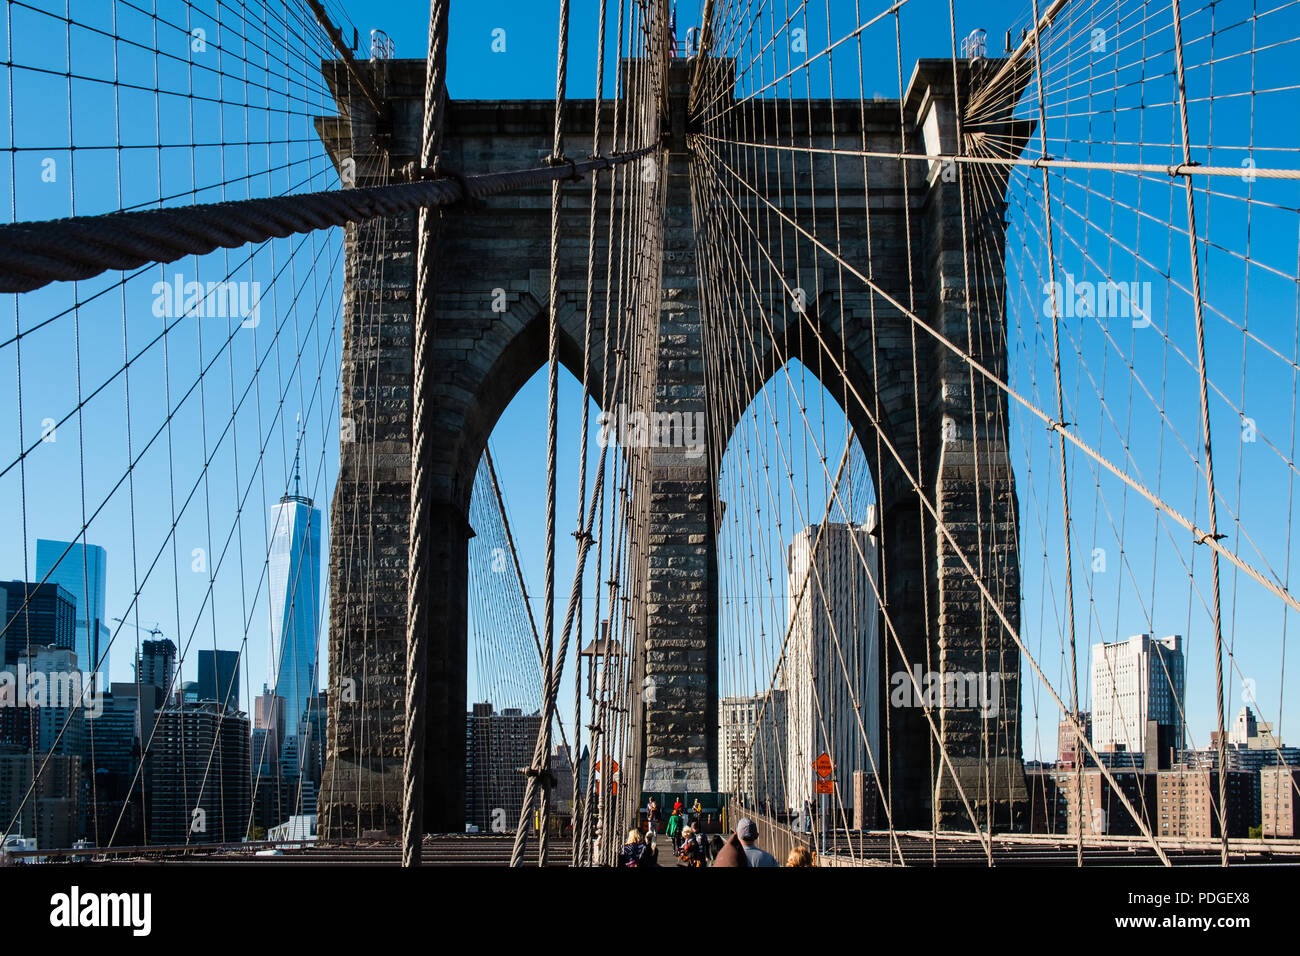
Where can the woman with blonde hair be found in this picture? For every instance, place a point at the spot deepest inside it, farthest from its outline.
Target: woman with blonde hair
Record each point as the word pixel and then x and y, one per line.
pixel 633 850
pixel 801 856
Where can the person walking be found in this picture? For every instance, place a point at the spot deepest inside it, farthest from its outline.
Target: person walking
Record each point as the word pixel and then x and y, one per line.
pixel 694 851
pixel 731 853
pixel 652 819
pixel 702 844
pixel 747 831
pixel 674 827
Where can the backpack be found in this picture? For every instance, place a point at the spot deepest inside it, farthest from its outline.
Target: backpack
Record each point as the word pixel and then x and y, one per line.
pixel 702 844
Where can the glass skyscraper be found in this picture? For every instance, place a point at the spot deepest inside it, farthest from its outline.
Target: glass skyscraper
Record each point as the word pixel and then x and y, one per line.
pixel 295 602
pixel 83 571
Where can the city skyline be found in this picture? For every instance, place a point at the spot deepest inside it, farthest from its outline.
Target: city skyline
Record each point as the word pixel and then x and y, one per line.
pixel 60 563
pixel 294 539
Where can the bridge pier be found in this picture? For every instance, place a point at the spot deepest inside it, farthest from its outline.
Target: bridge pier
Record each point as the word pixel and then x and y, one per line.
pixel 973 485
pixel 361 787
pixel 490 328
pixel 680 687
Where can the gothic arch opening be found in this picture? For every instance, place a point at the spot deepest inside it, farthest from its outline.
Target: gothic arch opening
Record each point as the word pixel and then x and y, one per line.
pixel 505 582
pixel 800 649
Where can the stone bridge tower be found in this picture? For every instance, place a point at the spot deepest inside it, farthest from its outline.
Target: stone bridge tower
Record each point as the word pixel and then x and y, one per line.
pixel 491 322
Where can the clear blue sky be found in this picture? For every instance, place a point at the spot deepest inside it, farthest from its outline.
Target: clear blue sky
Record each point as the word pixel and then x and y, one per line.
pixel 1105 226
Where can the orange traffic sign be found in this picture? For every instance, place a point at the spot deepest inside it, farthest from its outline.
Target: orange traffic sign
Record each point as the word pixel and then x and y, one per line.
pixel 825 786
pixel 613 762
pixel 824 766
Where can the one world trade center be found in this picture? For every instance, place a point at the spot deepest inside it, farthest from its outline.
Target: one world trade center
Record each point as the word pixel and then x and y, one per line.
pixel 295 602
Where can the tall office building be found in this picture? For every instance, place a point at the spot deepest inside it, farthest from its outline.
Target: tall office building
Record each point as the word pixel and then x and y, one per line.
pixel 46 737
pixel 113 737
pixel 265 757
pixel 269 807
pixel 833 657
pixel 144 700
pixel 295 602
pixel 219 677
pixel 156 666
pixel 751 745
pixel 1137 696
pixel 497 749
pixel 297 786
pixel 198 776
pixel 82 570
pixel 41 615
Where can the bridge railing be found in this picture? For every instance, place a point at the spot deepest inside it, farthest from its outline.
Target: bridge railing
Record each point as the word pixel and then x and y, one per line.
pixel 774 835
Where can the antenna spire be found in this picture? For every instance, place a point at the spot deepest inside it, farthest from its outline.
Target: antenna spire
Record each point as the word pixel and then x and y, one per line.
pixel 297 466
pixel 297 455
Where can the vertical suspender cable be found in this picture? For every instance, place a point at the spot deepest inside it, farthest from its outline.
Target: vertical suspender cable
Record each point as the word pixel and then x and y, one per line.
pixel 1213 532
pixel 575 756
pixel 539 772
pixel 417 605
